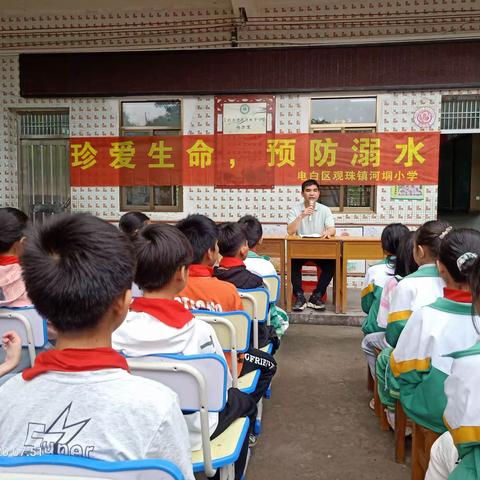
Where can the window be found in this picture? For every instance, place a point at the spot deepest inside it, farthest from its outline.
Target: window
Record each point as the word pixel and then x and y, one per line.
pixel 460 114
pixel 43 166
pixel 345 115
pixel 142 118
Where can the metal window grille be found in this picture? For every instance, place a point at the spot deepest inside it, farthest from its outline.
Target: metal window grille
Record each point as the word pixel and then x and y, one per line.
pixel 44 124
pixel 460 114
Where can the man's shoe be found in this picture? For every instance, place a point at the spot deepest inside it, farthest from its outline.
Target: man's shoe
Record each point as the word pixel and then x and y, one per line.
pixel 315 301
pixel 300 303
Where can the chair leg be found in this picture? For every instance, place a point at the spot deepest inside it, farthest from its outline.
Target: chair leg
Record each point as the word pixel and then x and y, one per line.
pixel 376 399
pixel 370 380
pixel 423 439
pixel 400 427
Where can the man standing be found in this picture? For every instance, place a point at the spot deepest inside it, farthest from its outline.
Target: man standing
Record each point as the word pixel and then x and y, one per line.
pixel 311 218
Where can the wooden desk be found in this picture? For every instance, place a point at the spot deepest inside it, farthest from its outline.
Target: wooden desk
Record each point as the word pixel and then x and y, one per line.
pixel 312 249
pixel 357 248
pixel 274 246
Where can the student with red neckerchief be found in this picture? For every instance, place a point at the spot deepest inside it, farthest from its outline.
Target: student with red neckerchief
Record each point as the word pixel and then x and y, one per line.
pixel 12 288
pixel 205 292
pixel 157 323
pixel 78 271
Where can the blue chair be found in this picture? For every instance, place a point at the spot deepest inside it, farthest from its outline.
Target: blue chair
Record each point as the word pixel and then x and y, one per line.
pixel 59 467
pixel 29 325
pixel 200 382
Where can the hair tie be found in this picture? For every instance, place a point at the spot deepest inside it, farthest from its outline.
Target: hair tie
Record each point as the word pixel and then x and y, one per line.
pixel 464 258
pixel 442 235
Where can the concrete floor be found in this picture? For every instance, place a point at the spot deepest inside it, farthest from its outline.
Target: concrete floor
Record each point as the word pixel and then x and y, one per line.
pixel 318 425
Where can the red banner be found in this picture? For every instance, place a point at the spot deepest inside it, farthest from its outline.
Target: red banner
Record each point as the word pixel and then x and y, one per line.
pixel 256 160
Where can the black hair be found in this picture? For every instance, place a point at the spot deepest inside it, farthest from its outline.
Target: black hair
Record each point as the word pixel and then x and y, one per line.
pixel 201 232
pixel 74 267
pixel 131 222
pixel 454 251
pixel 391 236
pixel 405 263
pixel 253 229
pixel 309 183
pixel 231 236
pixel 430 235
pixel 13 223
pixel 161 250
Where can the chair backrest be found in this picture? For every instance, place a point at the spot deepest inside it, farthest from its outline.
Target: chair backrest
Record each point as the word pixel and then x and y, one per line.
pixel 186 375
pixel 272 283
pixel 37 323
pixel 257 308
pixel 200 382
pixel 240 321
pixel 59 467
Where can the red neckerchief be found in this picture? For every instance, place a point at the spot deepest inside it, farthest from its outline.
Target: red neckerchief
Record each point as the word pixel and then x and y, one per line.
pixel 229 262
pixel 75 360
pixel 8 260
pixel 169 312
pixel 462 296
pixel 198 270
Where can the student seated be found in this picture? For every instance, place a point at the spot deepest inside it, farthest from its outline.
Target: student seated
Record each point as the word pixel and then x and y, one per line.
pixel 462 413
pixel 205 292
pixel 418 361
pixel 12 288
pixel 261 266
pixel 404 265
pixel 157 323
pixel 233 246
pixel 414 291
pixel 377 275
pixel 78 271
pixel 12 346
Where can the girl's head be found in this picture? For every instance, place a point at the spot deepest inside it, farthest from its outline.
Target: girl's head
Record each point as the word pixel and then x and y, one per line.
pixel 390 239
pixel 405 263
pixel 391 236
pixel 428 238
pixel 459 250
pixel 13 223
pixel 131 222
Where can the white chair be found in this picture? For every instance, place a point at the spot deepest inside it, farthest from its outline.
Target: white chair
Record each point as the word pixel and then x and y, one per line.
pixel 60 467
pixel 200 382
pixel 256 302
pixel 233 333
pixel 272 282
pixel 29 325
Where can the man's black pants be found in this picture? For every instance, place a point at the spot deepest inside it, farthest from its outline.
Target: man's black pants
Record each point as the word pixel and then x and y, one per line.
pixel 328 269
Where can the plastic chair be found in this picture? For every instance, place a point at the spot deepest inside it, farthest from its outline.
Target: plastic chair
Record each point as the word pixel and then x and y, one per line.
pixel 256 302
pixel 31 328
pixel 233 333
pixel 200 382
pixel 273 283
pixel 59 467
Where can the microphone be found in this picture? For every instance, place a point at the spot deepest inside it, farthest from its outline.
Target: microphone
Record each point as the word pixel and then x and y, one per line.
pixel 311 204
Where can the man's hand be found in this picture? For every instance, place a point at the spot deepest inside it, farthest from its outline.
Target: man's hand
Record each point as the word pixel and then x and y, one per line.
pixel 308 211
pixel 328 233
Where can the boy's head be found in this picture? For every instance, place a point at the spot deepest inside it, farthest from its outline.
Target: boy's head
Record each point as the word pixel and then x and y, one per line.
pixel 202 233
pixel 232 240
pixel 253 230
pixel 13 223
pixel 163 256
pixel 131 222
pixel 78 271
